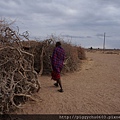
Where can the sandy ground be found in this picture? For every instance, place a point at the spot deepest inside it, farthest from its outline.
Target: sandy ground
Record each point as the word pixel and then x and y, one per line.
pixel 95 89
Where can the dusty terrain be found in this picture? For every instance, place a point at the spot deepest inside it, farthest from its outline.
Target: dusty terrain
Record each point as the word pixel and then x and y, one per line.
pixel 95 89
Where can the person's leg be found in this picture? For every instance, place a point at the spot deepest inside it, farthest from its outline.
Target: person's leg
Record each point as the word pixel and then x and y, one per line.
pixel 60 84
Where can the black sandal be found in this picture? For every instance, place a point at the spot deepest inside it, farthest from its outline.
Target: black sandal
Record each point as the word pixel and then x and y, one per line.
pixel 56 84
pixel 61 90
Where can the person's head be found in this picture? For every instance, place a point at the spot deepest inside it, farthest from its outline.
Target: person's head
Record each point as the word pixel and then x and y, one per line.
pixel 58 44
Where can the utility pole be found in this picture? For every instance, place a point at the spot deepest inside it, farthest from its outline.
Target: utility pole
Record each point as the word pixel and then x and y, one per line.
pixel 104 42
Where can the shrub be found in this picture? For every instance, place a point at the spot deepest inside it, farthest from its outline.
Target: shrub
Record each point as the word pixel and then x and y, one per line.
pixel 73 55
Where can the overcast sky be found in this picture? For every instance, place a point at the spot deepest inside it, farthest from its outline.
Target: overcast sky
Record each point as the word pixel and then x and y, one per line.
pixel 81 21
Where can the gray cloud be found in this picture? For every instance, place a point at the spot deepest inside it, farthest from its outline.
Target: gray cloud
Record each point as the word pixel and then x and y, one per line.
pixel 84 20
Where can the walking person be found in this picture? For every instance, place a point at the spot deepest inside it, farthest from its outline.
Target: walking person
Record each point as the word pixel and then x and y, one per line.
pixel 57 60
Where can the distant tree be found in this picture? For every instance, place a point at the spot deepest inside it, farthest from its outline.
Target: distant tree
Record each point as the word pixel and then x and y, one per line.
pixel 91 48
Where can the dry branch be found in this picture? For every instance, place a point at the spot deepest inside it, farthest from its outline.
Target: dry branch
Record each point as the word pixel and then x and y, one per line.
pixel 18 79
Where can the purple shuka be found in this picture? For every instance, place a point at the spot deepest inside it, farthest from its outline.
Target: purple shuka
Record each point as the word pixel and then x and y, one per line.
pixel 58 59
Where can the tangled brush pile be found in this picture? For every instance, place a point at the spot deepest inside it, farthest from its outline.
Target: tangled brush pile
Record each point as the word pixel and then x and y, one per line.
pixel 18 80
pixel 43 50
pixel 21 61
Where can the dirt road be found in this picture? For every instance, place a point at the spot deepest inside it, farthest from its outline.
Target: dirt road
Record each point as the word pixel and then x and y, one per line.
pixel 92 90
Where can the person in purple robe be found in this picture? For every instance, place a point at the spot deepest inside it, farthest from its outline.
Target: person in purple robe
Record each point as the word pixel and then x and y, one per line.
pixel 57 60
